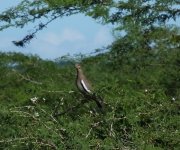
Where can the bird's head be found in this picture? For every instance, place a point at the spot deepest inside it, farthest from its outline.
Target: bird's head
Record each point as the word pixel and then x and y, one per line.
pixel 77 66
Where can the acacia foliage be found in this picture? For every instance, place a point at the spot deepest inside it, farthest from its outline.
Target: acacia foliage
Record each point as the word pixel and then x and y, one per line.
pixel 141 111
pixel 29 11
pixel 134 17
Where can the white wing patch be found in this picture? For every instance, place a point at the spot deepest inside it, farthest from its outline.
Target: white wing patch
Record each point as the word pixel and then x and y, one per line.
pixel 85 87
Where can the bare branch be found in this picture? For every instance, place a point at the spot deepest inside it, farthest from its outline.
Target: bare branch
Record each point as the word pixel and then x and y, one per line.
pixel 27 79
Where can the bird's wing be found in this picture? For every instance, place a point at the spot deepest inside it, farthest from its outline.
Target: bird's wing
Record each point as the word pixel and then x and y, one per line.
pixel 85 86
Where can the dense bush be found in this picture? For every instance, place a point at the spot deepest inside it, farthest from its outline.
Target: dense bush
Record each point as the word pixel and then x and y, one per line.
pixel 141 111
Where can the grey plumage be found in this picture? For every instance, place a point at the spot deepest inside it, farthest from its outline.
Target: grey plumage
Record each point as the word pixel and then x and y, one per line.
pixel 84 87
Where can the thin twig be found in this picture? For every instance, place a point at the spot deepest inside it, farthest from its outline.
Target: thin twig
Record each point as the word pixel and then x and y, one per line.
pixel 58 91
pixel 24 114
pixel 89 133
pixel 13 140
pixel 111 130
pixel 44 143
pixel 27 79
pixel 56 107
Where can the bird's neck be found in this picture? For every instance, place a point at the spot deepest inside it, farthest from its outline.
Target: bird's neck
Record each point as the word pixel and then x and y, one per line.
pixel 79 73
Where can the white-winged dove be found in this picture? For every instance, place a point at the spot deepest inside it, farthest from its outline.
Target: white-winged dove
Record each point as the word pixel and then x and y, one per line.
pixel 85 87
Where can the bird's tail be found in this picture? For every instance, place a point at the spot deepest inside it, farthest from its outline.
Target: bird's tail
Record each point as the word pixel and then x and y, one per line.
pixel 99 101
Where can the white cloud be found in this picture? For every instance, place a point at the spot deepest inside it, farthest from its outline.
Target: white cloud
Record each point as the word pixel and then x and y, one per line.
pixel 59 38
pixel 102 37
pixel 55 44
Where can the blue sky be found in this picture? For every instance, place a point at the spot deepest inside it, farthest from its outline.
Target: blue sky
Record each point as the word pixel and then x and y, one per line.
pixel 70 35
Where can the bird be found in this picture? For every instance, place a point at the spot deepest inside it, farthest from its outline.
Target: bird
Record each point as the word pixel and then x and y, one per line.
pixel 85 87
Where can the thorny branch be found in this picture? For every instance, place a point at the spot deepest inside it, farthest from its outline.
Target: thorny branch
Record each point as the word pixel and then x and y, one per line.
pixel 26 114
pixel 27 79
pixel 57 14
pixel 40 142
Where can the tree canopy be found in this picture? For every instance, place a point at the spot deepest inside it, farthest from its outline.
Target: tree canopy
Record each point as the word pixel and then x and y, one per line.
pixel 134 17
pixel 30 11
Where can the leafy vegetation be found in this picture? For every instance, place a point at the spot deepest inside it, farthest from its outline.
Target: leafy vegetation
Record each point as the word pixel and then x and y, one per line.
pixel 142 103
pixel 138 77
